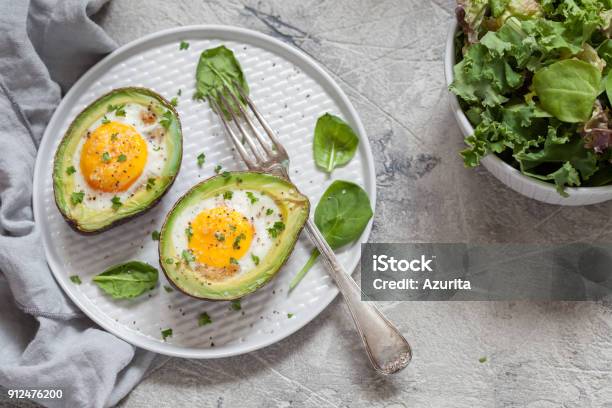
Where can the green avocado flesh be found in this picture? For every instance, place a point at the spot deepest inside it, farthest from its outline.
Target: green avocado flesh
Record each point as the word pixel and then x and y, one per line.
pixel 146 192
pixel 184 271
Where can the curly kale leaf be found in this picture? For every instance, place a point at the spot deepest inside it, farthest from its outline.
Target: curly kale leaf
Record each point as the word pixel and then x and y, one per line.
pixel 482 77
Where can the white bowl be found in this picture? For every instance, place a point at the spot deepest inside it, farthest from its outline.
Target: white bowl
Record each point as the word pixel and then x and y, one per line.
pixel 529 187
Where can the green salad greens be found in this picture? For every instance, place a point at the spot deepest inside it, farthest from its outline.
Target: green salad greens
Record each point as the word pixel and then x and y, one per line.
pixel 533 79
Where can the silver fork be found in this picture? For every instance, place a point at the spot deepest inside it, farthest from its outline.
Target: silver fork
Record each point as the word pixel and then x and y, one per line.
pixel 387 349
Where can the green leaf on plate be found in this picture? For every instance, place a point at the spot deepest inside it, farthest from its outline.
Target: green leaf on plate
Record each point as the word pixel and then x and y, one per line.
pixel 218 67
pixel 341 215
pixel 127 280
pixel 335 142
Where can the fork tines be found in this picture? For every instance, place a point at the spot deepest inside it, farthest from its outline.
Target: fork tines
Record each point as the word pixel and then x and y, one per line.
pixel 267 151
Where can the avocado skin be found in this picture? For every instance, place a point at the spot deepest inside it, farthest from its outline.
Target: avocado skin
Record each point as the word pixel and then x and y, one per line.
pixel 295 237
pixel 74 224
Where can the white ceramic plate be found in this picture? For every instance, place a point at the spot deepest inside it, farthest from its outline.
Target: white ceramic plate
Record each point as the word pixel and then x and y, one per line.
pixel 292 91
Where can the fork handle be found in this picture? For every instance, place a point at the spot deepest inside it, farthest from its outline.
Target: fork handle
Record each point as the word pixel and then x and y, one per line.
pixel 387 349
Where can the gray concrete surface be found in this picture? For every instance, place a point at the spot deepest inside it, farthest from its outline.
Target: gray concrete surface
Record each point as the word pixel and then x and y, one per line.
pixel 387 56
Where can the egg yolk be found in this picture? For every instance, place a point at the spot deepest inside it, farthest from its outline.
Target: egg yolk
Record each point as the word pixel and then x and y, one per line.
pixel 113 157
pixel 220 236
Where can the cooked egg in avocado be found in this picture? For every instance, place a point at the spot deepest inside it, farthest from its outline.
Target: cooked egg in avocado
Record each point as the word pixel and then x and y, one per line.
pixel 226 233
pixel 117 158
pixel 230 234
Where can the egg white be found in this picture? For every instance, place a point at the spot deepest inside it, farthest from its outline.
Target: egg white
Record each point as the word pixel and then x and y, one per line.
pixel 255 212
pixel 156 155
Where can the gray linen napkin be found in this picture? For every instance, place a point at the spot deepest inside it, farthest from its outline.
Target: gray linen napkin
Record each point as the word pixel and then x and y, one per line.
pixel 45 341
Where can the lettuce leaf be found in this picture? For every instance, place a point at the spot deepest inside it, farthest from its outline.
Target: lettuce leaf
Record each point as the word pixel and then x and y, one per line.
pixel 483 77
pixel 471 14
pixel 568 89
pixel 516 128
pixel 568 153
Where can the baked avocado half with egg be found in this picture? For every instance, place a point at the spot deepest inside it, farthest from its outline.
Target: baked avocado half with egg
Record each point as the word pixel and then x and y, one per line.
pixel 230 234
pixel 117 159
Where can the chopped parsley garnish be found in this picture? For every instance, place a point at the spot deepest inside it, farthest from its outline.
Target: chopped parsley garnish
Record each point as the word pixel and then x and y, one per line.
pixel 189 232
pixel 232 227
pixel 218 168
pixel 179 92
pixel 168 289
pixel 269 211
pixel 276 229
pixel 252 197
pixel 236 305
pixel 169 261
pixel 70 170
pixel 187 255
pixel 105 120
pixel 106 157
pixel 166 333
pixel 114 136
pixel 183 45
pixel 255 259
pixel 204 319
pixel 121 158
pixel 77 198
pixel 150 183
pixel 116 202
pixel 290 315
pixel 166 119
pixel 239 238
pixel 233 261
pixel 155 235
pixel 75 279
pixel 118 109
pixel 227 195
pixel 220 236
pixel 482 360
pixel 226 175
pixel 174 101
pixel 201 159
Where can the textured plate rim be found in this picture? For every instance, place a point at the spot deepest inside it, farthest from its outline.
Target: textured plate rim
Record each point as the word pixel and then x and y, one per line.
pixel 212 32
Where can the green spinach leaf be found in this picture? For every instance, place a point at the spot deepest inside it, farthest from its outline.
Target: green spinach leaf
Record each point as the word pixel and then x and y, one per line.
pixel 218 67
pixel 341 215
pixel 335 142
pixel 567 89
pixel 127 280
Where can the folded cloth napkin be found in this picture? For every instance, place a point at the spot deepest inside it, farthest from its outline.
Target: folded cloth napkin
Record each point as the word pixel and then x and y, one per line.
pixel 45 341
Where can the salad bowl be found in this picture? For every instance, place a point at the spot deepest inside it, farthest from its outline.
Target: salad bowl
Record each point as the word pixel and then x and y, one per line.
pixel 511 177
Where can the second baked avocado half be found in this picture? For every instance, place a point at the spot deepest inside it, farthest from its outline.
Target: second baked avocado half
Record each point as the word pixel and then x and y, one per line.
pixel 117 159
pixel 230 234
